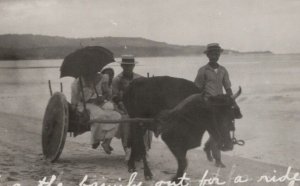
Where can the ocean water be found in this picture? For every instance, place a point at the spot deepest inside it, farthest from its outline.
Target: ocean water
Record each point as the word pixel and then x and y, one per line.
pixel 255 73
pixel 270 101
pixel 25 81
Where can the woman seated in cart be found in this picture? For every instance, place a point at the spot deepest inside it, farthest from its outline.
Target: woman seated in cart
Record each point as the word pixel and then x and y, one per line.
pixel 96 94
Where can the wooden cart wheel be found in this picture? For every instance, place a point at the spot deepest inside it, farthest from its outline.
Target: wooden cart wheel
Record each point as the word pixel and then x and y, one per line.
pixel 55 126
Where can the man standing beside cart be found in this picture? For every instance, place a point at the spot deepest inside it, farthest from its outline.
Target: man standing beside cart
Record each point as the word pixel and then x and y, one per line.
pixel 211 79
pixel 119 84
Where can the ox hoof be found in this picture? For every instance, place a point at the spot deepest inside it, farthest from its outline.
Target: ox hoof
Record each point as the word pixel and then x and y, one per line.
pixel 147 178
pixel 208 155
pixel 176 180
pixel 148 174
pixel 209 158
pixel 95 145
pixel 106 148
pixel 131 170
pixel 220 164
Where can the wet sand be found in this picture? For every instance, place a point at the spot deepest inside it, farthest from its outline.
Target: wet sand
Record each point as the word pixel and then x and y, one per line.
pixel 21 161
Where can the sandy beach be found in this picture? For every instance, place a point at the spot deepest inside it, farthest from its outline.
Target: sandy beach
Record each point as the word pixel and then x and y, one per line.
pixel 21 161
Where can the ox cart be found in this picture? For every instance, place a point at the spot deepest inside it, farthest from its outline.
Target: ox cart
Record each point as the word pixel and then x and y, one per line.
pixel 60 116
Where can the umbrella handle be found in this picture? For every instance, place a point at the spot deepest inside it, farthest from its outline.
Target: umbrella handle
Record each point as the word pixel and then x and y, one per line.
pixel 50 88
pixel 81 87
pixel 61 87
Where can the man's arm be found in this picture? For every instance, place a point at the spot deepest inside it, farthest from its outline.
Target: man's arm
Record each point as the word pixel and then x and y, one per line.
pixel 200 79
pixel 116 97
pixel 227 83
pixel 229 91
pixel 116 89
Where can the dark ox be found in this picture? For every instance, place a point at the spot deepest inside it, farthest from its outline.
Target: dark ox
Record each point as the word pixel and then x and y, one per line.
pixel 182 116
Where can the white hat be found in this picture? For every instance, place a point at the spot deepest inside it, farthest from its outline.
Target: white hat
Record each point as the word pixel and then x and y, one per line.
pixel 128 60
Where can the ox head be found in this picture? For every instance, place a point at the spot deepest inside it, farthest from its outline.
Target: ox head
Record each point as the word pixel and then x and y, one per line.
pixel 225 111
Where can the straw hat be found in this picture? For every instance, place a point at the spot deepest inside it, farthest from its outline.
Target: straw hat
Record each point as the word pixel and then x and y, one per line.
pixel 128 60
pixel 212 47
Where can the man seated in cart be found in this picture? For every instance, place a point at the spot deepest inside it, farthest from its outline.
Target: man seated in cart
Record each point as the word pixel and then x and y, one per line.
pixel 95 94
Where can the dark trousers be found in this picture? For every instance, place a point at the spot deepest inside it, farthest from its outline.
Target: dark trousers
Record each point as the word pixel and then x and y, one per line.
pixel 211 146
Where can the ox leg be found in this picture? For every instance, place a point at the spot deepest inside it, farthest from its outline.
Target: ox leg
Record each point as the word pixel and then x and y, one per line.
pixel 144 146
pixel 147 172
pixel 131 143
pixel 177 147
pixel 207 150
pixel 138 150
pixel 131 164
pixel 216 153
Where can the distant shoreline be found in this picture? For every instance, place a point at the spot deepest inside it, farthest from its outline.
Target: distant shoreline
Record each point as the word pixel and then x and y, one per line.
pixel 232 54
pixel 39 47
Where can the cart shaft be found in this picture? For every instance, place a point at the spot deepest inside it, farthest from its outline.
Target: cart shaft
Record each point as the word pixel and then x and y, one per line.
pixel 128 120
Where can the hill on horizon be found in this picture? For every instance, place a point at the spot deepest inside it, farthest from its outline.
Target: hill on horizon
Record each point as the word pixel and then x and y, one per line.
pixel 29 46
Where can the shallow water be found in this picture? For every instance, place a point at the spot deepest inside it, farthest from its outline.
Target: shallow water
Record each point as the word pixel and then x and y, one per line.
pixel 270 101
pixel 245 70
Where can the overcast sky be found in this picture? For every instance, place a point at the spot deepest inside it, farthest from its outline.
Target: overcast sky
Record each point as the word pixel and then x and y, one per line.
pixel 245 25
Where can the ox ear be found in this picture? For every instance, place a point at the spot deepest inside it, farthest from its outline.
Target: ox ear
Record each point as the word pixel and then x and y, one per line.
pixel 237 94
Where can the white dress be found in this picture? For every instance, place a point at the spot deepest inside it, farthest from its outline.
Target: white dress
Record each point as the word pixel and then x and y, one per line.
pixel 99 132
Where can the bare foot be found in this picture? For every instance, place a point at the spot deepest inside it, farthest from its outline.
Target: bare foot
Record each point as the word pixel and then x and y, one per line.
pixel 95 145
pixel 208 154
pixel 106 148
pixel 219 164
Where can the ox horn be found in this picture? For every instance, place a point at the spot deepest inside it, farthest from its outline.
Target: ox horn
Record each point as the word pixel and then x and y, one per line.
pixel 237 94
